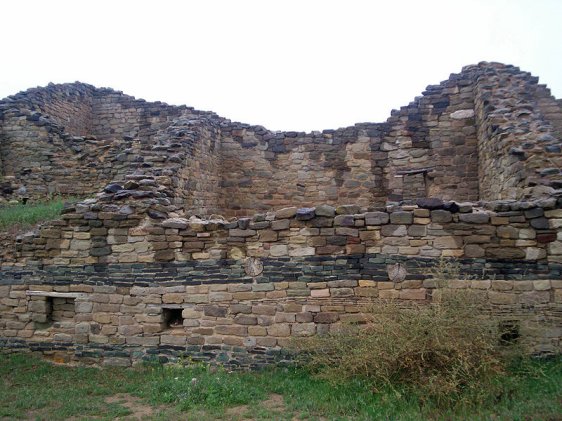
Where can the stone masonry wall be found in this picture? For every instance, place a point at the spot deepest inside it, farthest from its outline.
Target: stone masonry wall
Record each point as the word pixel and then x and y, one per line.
pixel 117 280
pixel 262 170
pixel 39 159
pixel 143 224
pixel 365 164
pixel 68 105
pixel 519 152
pixel 239 324
pixel 436 135
pixel 221 241
pixel 488 132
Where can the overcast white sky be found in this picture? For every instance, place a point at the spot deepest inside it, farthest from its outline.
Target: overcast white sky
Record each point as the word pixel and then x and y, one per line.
pixel 286 65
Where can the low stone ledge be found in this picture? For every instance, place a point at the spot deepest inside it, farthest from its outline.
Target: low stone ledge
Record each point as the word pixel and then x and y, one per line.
pixel 53 294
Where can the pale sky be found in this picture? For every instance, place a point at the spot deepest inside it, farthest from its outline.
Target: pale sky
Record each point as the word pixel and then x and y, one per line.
pixel 287 65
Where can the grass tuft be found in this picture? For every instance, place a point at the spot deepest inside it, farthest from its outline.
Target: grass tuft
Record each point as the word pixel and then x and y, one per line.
pixel 24 216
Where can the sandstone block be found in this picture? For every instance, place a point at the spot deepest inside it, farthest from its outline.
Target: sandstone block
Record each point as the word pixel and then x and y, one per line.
pixel 317 293
pixel 173 298
pixel 325 210
pixel 412 294
pixel 541 285
pixel 241 233
pixel 303 329
pixel 475 218
pixel 441 216
pixel 215 311
pixel 116 362
pixel 219 296
pixel 401 217
pixel 286 213
pixel 394 231
pixel 534 297
pixel 268 235
pixel 344 220
pixel 262 309
pixel 502 298
pixel 234 330
pixel 301 251
pixel 447 242
pixel 505 253
pixel 534 253
pixel 376 218
pixel 473 251
pixel 263 287
pixel 348 210
pixel 282 224
pixel 341 292
pixel 177 223
pixel 148 341
pixel 499 285
pixel 130 330
pixel 176 340
pixel 279 330
pixel 555 247
pixel 279 250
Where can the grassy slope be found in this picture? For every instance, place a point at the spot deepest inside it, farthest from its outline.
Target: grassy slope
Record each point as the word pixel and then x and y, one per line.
pixel 31 388
pixel 23 216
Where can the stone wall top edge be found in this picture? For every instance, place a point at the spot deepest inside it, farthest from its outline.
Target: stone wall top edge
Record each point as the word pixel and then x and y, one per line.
pixel 431 204
pixel 84 88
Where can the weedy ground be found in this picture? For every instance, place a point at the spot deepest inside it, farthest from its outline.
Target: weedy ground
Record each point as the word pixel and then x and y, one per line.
pixel 34 389
pixel 21 216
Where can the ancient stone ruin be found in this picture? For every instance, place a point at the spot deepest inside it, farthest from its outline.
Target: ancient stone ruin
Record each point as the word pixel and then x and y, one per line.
pixel 221 241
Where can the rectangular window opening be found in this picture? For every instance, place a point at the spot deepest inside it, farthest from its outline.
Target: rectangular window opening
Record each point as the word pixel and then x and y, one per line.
pixel 49 308
pixel 63 309
pixel 172 317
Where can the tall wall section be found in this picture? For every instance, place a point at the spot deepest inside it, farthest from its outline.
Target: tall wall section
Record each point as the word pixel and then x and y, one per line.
pixel 489 133
pixel 428 148
pixel 519 142
pixel 221 241
pixel 75 139
pixel 48 146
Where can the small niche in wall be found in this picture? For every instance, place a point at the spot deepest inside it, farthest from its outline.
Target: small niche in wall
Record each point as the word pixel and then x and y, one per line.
pixel 62 309
pixel 414 183
pixel 172 317
pixel 509 331
pixel 47 308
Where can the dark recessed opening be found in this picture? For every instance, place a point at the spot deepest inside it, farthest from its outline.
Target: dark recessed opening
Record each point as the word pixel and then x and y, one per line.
pixel 49 310
pixel 509 331
pixel 173 317
pixel 43 313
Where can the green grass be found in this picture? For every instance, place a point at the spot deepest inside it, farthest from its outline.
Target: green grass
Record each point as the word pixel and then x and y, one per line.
pixel 34 389
pixel 23 216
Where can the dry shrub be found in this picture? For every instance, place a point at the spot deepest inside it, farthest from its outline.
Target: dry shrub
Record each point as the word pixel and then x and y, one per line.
pixel 442 349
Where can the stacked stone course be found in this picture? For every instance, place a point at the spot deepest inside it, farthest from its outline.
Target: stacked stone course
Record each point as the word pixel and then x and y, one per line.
pixel 222 241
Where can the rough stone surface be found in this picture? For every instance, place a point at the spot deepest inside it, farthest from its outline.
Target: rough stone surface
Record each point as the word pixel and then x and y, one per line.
pixel 153 265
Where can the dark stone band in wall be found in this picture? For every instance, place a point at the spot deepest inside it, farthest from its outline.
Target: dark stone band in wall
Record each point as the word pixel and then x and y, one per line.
pixel 123 355
pixel 291 269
